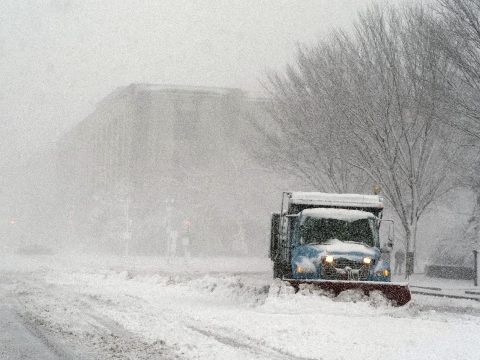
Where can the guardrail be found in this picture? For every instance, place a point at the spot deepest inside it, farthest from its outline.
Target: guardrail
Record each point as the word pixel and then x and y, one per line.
pixel 432 291
pixel 450 272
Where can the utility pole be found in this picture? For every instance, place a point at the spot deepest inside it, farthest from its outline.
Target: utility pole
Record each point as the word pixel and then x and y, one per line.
pixel 475 267
pixel 169 228
pixel 127 235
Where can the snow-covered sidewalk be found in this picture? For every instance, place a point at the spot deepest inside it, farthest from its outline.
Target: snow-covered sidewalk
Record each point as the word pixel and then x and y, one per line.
pixel 460 289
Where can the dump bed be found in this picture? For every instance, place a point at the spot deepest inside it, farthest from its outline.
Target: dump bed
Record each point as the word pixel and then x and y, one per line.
pixel 295 202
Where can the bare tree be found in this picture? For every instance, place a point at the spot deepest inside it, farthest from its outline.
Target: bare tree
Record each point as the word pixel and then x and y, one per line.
pixel 459 21
pixel 301 139
pixel 368 107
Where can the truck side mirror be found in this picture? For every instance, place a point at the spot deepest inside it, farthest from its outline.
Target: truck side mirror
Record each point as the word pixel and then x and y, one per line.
pixel 391 234
pixel 390 242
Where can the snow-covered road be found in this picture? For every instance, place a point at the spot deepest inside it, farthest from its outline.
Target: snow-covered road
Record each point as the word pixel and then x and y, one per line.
pixel 16 340
pixel 223 308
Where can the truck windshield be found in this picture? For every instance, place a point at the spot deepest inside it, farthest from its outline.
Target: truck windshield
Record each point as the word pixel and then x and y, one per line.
pixel 318 231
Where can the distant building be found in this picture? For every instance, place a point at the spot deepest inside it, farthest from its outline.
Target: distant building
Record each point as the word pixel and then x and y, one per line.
pixel 152 156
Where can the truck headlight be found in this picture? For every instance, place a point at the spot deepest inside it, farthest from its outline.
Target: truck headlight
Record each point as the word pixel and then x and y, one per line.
pixel 367 260
pixel 383 272
pixel 329 259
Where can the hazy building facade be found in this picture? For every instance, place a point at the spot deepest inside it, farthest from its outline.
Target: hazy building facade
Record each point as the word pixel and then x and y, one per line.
pixel 154 159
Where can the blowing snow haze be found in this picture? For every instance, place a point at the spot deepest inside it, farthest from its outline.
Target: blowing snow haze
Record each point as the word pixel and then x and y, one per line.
pixel 239 179
pixel 58 59
pixel 61 60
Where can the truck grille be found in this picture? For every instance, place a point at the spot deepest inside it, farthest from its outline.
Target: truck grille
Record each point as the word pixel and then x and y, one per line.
pixel 336 272
pixel 342 263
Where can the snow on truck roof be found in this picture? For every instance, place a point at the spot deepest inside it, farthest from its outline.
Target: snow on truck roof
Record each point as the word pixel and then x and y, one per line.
pixel 337 214
pixel 329 199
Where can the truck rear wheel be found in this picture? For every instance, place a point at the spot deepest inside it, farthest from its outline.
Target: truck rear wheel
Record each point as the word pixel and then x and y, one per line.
pixel 277 271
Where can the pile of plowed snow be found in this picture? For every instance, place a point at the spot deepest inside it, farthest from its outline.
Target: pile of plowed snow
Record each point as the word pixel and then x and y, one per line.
pixel 283 299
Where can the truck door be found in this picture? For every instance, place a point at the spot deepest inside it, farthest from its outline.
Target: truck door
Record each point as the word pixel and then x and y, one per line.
pixel 286 224
pixel 274 236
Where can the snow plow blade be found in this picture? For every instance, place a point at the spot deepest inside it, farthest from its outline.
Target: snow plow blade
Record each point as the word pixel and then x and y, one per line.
pixel 397 292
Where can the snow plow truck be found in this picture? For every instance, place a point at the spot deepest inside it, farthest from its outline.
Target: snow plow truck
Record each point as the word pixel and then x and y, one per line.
pixel 333 241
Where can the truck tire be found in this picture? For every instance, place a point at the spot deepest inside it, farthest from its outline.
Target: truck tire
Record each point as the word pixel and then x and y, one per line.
pixel 281 271
pixel 277 270
pixel 287 271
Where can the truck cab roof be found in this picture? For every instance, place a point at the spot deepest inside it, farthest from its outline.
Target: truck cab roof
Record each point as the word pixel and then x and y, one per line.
pixel 337 214
pixel 359 201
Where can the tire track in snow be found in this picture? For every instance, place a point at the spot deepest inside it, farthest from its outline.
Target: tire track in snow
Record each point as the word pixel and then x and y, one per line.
pixel 127 340
pixel 106 339
pixel 249 344
pixel 33 326
pixel 181 319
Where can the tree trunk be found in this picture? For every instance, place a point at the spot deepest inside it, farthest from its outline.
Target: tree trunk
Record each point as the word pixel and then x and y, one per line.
pixel 410 246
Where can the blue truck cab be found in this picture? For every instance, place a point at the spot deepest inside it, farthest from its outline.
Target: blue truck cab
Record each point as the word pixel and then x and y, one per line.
pixel 329 237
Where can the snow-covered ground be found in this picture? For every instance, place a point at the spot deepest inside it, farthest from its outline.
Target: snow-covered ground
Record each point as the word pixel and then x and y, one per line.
pixel 222 308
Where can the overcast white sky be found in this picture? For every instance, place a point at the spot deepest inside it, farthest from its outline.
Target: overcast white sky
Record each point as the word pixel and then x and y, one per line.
pixel 59 57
